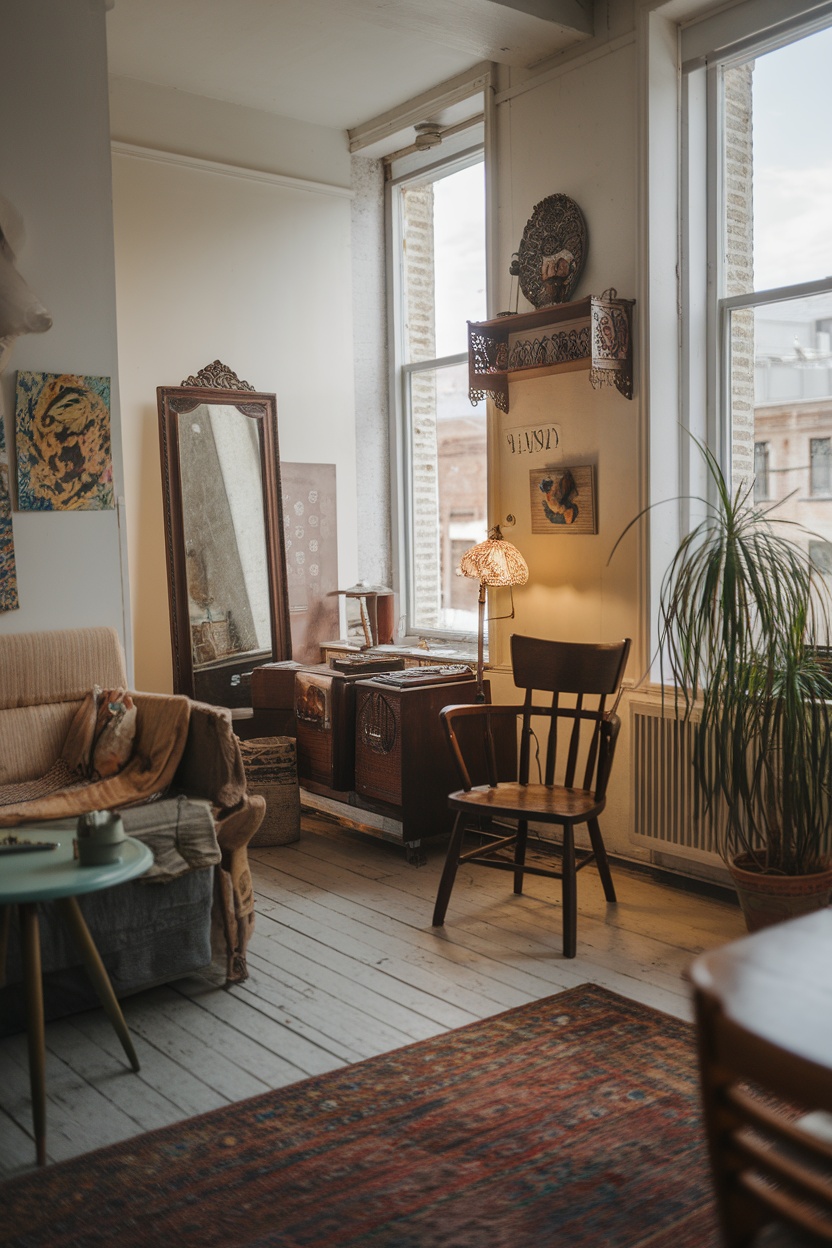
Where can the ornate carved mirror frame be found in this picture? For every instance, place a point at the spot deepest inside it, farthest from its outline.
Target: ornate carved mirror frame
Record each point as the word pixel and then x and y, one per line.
pixel 226 562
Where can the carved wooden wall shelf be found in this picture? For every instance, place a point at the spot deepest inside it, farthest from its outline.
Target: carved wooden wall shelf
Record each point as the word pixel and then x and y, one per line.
pixel 593 333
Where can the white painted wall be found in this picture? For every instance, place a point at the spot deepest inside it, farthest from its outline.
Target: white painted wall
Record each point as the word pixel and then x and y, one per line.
pixel 55 162
pixel 211 265
pixel 575 134
pixel 178 121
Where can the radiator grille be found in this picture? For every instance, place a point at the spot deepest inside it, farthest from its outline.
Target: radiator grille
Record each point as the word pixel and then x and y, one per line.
pixel 667 807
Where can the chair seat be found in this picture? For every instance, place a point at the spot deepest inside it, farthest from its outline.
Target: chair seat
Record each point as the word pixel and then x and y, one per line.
pixel 541 803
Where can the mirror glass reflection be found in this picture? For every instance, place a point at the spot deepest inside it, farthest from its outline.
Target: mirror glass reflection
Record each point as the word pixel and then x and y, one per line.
pixel 224 535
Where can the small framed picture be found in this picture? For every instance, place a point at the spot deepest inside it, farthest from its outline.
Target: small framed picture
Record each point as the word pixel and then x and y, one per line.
pixel 64 461
pixel 563 499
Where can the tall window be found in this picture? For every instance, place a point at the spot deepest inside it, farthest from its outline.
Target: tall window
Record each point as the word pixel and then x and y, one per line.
pixel 440 219
pixel 769 245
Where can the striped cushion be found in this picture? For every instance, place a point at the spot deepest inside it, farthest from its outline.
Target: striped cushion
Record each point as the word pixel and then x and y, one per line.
pixel 60 666
pixel 31 739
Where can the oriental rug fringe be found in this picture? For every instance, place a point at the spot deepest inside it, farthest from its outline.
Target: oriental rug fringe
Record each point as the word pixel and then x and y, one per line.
pixel 572 1121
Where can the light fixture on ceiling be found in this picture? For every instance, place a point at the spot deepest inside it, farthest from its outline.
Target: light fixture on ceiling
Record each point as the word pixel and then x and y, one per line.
pixel 428 134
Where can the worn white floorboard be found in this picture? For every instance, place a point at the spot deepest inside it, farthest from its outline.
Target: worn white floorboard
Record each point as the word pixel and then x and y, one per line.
pixel 345 964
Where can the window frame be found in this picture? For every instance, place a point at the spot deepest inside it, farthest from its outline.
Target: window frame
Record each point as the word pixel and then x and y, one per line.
pixel 680 356
pixel 714 351
pixel 401 372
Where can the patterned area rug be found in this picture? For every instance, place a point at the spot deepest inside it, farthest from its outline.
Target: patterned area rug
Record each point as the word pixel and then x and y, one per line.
pixel 572 1122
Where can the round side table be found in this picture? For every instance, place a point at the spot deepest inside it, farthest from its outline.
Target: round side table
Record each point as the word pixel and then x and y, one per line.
pixel 30 876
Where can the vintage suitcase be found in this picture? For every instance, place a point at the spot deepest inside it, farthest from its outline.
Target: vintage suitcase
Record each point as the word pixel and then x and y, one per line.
pixel 325 726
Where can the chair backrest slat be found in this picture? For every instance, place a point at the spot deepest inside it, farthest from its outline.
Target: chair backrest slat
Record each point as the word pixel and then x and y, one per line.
pixel 552 743
pixel 592 753
pixel 490 755
pixel 525 739
pixel 574 744
pixel 586 674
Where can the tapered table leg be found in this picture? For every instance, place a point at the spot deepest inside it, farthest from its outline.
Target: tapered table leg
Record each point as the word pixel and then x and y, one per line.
pixel 54 875
pixel 30 949
pixel 71 911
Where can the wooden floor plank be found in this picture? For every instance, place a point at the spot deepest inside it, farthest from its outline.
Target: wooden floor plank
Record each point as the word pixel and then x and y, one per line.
pixel 159 1018
pixel 297 1056
pixel 80 1116
pixel 343 1022
pixel 17 1147
pixel 422 958
pixel 369 988
pixel 105 1067
pixel 244 1053
pixel 603 945
pixel 344 964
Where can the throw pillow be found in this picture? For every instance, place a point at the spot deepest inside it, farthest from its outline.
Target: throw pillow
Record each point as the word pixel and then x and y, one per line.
pixel 102 734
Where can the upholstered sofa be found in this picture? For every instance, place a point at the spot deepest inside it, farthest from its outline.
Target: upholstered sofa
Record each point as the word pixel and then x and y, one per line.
pixel 182 789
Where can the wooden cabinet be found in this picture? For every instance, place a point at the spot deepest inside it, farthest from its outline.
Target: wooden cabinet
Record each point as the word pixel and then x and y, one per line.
pixel 370 751
pixel 594 333
pixel 401 755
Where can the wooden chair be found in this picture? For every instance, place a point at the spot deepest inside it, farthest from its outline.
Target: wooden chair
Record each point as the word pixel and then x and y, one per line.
pixel 587 675
pixel 765 1057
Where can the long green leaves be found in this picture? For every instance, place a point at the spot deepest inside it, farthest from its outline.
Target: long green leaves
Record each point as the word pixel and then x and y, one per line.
pixel 740 613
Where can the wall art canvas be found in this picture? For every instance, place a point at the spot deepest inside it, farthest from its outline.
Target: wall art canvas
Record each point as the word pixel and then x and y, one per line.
pixel 64 460
pixel 311 540
pixel 563 499
pixel 8 571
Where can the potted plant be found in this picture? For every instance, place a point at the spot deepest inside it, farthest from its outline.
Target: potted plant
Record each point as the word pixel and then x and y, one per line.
pixel 743 627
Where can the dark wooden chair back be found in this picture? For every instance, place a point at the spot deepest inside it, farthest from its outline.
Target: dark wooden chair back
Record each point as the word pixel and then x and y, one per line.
pixel 568 666
pixel 771 1164
pixel 587 675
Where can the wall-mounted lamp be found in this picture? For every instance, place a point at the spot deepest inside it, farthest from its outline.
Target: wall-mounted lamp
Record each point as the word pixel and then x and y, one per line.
pixel 493 562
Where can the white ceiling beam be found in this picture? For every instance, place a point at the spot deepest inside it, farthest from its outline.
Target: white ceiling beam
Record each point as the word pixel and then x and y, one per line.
pixel 570 14
pixel 421 107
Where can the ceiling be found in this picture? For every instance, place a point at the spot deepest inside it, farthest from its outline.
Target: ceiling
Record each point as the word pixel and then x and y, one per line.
pixel 335 63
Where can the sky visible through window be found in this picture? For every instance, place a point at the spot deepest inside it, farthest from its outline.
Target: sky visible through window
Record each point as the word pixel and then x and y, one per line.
pixel 792 233
pixel 459 249
pixel 793 163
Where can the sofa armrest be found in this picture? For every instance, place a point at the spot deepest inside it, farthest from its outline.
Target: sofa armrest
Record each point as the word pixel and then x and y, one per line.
pixel 180 831
pixel 212 765
pixel 234 891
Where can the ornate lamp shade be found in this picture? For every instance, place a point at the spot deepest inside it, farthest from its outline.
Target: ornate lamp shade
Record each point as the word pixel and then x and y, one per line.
pixel 495 561
pixel 492 562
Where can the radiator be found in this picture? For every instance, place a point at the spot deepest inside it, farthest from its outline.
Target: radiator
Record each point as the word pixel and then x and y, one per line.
pixel 666 806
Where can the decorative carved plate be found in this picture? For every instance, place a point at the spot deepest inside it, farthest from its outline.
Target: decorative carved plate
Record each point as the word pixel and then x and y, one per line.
pixel 552 251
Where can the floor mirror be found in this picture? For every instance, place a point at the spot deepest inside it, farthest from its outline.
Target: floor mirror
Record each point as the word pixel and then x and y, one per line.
pixel 229 608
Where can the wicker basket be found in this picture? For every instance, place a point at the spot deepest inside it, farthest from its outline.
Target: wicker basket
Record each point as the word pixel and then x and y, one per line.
pixel 271 770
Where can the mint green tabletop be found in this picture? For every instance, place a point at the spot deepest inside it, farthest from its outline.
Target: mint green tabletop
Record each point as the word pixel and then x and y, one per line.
pixel 43 874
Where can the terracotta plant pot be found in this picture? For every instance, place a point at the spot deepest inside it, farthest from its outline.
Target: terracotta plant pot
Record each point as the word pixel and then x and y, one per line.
pixel 767 899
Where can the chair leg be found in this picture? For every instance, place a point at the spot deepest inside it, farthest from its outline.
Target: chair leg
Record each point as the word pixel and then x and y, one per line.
pixel 520 854
pixel 570 894
pixel 443 895
pixel 601 860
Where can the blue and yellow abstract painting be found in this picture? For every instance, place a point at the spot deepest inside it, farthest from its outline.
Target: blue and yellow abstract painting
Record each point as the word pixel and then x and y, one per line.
pixel 64 460
pixel 8 571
